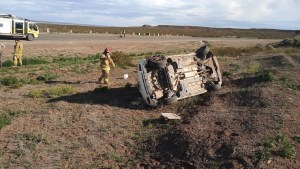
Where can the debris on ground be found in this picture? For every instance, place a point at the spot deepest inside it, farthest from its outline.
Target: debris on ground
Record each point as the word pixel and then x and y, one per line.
pixel 170 116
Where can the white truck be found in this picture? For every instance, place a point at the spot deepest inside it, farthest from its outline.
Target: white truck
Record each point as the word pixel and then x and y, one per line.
pixel 12 26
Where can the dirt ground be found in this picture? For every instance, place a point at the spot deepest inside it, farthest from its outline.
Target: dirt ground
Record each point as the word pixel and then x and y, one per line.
pixel 114 129
pixel 52 45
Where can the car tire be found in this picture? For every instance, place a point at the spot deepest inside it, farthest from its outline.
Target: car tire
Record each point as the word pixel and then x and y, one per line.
pixel 30 37
pixel 213 86
pixel 157 61
pixel 171 100
pixel 217 86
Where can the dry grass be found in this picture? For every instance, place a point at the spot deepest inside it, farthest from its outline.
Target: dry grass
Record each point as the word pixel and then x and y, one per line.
pixel 88 126
pixel 53 91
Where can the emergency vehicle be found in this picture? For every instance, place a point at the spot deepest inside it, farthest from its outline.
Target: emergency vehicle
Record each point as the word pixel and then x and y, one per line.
pixel 16 27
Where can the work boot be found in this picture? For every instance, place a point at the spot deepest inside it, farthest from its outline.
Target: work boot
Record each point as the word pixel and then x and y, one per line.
pixel 106 81
pixel 100 80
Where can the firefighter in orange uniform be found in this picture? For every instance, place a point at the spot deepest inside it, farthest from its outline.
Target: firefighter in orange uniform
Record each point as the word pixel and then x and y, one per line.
pixel 18 53
pixel 105 62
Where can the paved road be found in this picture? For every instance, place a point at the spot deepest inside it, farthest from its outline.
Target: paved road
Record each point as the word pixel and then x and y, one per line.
pixel 110 37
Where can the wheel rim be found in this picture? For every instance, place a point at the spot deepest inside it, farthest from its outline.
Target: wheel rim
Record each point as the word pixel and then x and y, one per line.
pixel 30 37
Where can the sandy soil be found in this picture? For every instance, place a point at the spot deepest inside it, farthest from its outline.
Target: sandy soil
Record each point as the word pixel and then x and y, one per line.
pixel 82 44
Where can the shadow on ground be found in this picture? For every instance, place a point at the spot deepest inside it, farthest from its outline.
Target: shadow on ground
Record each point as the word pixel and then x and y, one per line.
pixel 115 97
pixel 63 82
pixel 11 38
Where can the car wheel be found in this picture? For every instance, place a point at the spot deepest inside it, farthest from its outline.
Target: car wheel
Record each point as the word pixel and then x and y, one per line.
pixel 171 100
pixel 217 87
pixel 29 37
pixel 157 61
pixel 211 86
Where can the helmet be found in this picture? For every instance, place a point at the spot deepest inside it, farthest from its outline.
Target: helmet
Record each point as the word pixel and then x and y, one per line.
pixel 202 52
pixel 107 50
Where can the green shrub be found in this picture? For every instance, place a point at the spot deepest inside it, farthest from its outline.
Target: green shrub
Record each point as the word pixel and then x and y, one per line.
pixel 60 90
pixel 68 60
pixel 31 139
pixel 121 59
pixel 269 143
pixel 27 80
pixel 47 76
pixel 14 113
pixel 35 94
pixel 92 57
pixel 297 138
pixel 34 61
pixel 15 82
pixel 264 154
pixel 16 86
pixel 227 51
pixel 278 145
pixel 8 63
pixel 5 119
pixel 52 92
pixel 253 68
pixel 287 151
pixel 26 61
pixel 265 76
pixel 289 83
pixel 234 67
pixel 9 81
pixel 77 59
pixel 280 138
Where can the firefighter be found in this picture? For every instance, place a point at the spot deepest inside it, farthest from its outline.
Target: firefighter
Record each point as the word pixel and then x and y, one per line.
pixel 18 52
pixel 105 62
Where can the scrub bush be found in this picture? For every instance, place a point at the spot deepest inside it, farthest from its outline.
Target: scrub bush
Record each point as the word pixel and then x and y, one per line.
pixel 46 77
pixel 5 119
pixel 8 63
pixel 121 59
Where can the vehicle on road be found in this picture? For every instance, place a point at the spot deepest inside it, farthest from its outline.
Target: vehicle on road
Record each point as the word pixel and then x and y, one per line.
pixel 15 27
pixel 167 79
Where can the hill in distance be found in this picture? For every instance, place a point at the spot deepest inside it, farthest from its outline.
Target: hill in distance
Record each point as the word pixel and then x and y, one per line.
pixel 195 31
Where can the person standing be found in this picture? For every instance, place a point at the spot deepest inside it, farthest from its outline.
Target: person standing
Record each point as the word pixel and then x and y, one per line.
pixel 105 62
pixel 124 33
pixel 18 53
pixel 2 47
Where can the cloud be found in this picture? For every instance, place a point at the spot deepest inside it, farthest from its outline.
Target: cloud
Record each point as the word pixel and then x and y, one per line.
pixel 280 14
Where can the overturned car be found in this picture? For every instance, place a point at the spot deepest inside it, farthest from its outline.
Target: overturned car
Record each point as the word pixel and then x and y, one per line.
pixel 171 78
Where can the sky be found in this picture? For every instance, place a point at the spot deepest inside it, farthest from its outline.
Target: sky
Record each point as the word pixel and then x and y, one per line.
pixel 274 14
